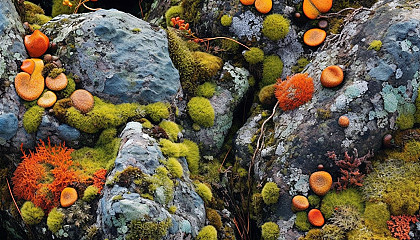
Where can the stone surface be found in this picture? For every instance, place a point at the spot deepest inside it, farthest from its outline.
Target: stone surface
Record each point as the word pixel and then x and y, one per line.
pixel 117 56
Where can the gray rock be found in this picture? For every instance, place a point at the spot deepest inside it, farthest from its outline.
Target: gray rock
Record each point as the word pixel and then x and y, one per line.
pixel 117 56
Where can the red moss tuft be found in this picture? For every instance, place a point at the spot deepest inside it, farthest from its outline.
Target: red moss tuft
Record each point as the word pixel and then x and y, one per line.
pixel 294 91
pixel 99 179
pixel 400 226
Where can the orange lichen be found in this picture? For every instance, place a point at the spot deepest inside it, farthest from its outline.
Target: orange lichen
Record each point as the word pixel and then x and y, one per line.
pixel 36 44
pixel 82 100
pixel 343 121
pixel 47 99
pixel 314 37
pixel 320 182
pixel 400 226
pixel 263 6
pixel 30 87
pixel 68 197
pixel 247 2
pixel 99 179
pixel 316 218
pixel 28 65
pixel 294 91
pixel 58 83
pixel 332 76
pixel 300 203
pixel 313 8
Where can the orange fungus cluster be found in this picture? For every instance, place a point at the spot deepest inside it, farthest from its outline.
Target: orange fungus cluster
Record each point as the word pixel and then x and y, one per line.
pixel 294 91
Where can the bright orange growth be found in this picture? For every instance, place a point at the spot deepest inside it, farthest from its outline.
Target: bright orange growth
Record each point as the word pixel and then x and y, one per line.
pixel 314 37
pixel 48 99
pixel 300 203
pixel 247 2
pixel 43 174
pixel 313 8
pixel 332 76
pixel 68 197
pixel 343 121
pixel 99 179
pixel 400 226
pixel 30 87
pixel 294 91
pixel 263 6
pixel 28 65
pixel 58 83
pixel 82 100
pixel 320 182
pixel 315 218
pixel 36 44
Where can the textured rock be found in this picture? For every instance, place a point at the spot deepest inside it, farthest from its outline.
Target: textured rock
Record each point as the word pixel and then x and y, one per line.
pixel 117 56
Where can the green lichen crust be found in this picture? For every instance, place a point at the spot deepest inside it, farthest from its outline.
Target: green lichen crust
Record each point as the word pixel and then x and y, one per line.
pixel 270 193
pixel 201 111
pixel 31 214
pixel 275 27
pixel 55 220
pixel 270 231
pixel 32 118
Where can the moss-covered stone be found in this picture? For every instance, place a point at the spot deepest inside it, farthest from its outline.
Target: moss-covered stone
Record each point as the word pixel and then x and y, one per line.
pixel 207 65
pixel 58 8
pixel 192 155
pixel 302 222
pixel 147 229
pixel 375 216
pixel 333 200
pixel 214 218
pixel 266 95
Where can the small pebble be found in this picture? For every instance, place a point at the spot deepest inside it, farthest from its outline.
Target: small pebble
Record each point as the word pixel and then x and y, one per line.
pixel 323 24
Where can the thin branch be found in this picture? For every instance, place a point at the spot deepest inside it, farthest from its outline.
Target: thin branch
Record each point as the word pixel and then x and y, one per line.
pixel 224 159
pixel 227 38
pixel 11 194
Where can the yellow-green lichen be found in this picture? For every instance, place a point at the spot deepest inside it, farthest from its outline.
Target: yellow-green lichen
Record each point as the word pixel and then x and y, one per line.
pixel 375 45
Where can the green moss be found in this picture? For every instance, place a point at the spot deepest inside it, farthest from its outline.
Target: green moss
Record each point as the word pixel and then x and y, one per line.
pixel 300 65
pixel 270 193
pixel 143 229
pixel 409 153
pixel 55 72
pixel 266 95
pixel 169 148
pixel 214 218
pixel 118 197
pixel 172 209
pixel 313 234
pixel 375 45
pixel 161 180
pixel 58 8
pixel 375 216
pixel 174 167
pixel 226 20
pixel 192 155
pixel 256 206
pixel 201 111
pixel 405 121
pixel 191 11
pixel 71 86
pixel 404 198
pixel 364 233
pixel 171 128
pixel 157 111
pixel 314 200
pixel 31 214
pixel 272 70
pixel 270 231
pixel 333 200
pixel 206 90
pixel 34 14
pixel 333 232
pixel 207 65
pixel 32 118
pixel 204 191
pixel 174 11
pixel 346 218
pixel 251 81
pixel 302 222
pixel 146 123
pixel 207 233
pixel 275 27
pixel 254 55
pixel 90 193
pixel 55 220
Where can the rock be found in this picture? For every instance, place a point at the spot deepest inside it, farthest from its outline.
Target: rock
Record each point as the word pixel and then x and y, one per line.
pixel 117 56
pixel 122 204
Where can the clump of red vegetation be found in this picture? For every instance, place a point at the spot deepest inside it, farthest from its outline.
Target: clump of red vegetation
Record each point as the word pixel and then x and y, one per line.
pixel 400 226
pixel 351 174
pixel 43 174
pixel 294 91
pixel 99 179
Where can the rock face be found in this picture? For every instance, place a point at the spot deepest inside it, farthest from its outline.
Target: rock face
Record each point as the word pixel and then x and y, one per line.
pixel 379 86
pixel 116 55
pixel 122 204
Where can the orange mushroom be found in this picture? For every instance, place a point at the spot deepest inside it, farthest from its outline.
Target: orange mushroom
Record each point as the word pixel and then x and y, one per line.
pixel 316 218
pixel 82 100
pixel 28 65
pixel 47 99
pixel 247 2
pixel 314 37
pixel 37 43
pixel 343 121
pixel 30 87
pixel 263 6
pixel 320 182
pixel 332 76
pixel 58 83
pixel 313 8
pixel 300 203
pixel 68 197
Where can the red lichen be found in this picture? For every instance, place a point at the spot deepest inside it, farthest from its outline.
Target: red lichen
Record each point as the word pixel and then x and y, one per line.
pixel 294 91
pixel 400 226
pixel 99 179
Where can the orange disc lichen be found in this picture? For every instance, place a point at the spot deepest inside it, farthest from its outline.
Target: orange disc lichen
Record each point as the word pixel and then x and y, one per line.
pixel 37 43
pixel 247 2
pixel 320 182
pixel 58 83
pixel 343 121
pixel 332 76
pixel 300 203
pixel 314 37
pixel 295 91
pixel 47 99
pixel 82 100
pixel 28 65
pixel 312 8
pixel 68 197
pixel 315 218
pixel 30 87
pixel 263 6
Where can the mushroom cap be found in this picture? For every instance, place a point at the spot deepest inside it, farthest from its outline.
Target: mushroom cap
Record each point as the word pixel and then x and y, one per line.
pixel 343 121
pixel 312 8
pixel 323 6
pixel 68 197
pixel 58 83
pixel 316 218
pixel 332 76
pixel 36 44
pixel 30 87
pixel 300 203
pixel 263 6
pixel 82 100
pixel 28 65
pixel 47 99
pixel 314 37
pixel 247 2
pixel 320 182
